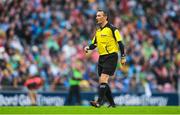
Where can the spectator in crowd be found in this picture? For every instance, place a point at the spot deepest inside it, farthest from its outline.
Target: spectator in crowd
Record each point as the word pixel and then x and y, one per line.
pixel 76 77
pixel 33 84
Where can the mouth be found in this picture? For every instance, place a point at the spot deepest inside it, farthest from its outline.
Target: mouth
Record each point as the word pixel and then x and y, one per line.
pixel 96 21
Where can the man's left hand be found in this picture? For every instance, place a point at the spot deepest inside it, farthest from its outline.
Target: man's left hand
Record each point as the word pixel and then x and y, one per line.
pixel 123 60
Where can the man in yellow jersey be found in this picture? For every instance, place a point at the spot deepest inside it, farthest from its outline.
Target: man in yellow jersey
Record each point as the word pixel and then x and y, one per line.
pixel 108 40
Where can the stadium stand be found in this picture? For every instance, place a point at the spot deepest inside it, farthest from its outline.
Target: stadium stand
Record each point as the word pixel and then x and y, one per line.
pixel 46 38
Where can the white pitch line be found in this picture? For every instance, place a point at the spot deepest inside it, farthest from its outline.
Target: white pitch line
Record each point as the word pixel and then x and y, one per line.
pixel 89 114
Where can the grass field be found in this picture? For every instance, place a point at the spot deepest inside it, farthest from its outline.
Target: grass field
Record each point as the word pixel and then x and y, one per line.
pixel 168 110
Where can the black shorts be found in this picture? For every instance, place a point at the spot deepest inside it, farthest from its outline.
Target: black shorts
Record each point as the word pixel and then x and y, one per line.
pixel 107 64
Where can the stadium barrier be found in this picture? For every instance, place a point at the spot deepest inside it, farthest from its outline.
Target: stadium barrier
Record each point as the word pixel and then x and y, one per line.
pixel 59 99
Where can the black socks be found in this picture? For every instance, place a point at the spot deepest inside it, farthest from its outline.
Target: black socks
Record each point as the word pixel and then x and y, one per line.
pixel 109 96
pixel 104 90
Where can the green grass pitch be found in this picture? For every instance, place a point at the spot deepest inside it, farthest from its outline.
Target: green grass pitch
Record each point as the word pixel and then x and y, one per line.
pixel 168 110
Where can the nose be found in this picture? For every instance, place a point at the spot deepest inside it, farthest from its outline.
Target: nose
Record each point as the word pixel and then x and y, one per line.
pixel 96 17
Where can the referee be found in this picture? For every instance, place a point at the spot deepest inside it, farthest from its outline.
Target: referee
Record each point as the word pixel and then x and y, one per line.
pixel 108 40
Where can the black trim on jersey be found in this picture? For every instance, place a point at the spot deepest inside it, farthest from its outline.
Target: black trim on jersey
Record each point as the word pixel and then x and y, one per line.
pixel 95 41
pixel 113 28
pixel 121 47
pixel 107 50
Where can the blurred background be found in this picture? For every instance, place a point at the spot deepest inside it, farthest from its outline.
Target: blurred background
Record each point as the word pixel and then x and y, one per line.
pixel 45 38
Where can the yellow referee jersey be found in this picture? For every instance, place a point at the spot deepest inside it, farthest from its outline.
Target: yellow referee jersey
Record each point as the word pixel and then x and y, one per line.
pixel 106 39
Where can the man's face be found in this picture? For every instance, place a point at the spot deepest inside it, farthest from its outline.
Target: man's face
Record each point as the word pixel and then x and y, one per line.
pixel 100 17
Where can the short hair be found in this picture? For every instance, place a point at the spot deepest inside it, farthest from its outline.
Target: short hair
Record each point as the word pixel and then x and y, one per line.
pixel 106 13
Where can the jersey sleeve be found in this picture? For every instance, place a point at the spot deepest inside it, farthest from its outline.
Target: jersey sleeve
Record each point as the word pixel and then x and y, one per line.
pixel 117 35
pixel 93 40
pixel 93 44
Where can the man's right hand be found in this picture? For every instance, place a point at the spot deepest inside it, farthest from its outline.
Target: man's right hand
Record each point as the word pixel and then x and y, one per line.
pixel 86 49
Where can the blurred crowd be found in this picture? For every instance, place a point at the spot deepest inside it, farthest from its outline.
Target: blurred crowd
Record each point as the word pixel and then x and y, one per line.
pixel 45 38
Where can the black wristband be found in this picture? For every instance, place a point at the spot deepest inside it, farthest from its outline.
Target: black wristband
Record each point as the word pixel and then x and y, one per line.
pixel 92 46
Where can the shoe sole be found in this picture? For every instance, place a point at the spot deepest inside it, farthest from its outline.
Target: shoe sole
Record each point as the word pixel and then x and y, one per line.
pixel 93 104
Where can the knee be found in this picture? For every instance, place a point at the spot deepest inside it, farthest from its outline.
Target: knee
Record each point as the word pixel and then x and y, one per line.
pixel 104 78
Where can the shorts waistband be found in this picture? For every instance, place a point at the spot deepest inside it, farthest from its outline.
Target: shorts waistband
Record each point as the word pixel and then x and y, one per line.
pixel 108 54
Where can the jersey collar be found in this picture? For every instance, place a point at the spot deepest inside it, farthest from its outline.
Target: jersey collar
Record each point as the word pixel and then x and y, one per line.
pixel 107 25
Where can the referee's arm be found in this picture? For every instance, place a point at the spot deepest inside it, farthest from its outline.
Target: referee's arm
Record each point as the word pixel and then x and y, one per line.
pixel 119 40
pixel 92 45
